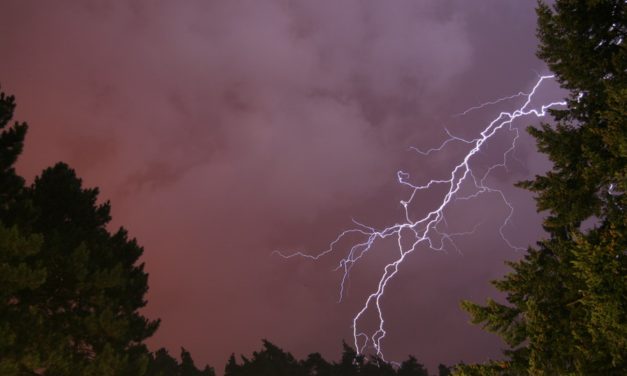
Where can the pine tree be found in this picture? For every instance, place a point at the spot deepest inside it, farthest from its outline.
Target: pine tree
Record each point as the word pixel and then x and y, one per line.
pixel 270 361
pixel 19 323
pixel 351 363
pixel 232 368
pixel 93 287
pixel 568 298
pixel 444 370
pixel 187 367
pixel 411 367
pixel 69 290
pixel 375 366
pixel 11 145
pixel 316 365
pixel 162 364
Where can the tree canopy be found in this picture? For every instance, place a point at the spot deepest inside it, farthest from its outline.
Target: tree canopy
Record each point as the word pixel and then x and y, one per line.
pixel 162 364
pixel 567 311
pixel 272 360
pixel 70 290
pixel 11 145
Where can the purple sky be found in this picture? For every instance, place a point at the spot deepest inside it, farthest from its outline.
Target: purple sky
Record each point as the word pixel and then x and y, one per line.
pixel 224 130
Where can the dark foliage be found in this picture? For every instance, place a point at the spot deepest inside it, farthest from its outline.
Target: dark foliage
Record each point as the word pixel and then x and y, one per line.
pixel 271 360
pixel 162 364
pixel 567 311
pixel 11 145
pixel 71 290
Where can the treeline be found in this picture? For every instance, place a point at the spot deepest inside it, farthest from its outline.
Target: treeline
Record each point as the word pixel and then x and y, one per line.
pixel 273 361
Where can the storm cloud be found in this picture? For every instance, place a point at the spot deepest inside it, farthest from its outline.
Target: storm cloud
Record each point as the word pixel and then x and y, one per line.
pixel 224 130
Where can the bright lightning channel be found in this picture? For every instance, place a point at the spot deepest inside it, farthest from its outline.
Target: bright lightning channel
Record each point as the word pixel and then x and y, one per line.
pixel 429 229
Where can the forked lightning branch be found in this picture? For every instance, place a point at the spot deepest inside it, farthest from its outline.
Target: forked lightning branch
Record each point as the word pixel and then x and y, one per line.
pixel 431 228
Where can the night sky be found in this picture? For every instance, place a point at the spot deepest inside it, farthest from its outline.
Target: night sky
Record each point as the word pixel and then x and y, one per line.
pixel 224 130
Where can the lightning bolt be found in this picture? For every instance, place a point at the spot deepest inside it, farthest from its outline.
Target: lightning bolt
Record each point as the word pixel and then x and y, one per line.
pixel 430 229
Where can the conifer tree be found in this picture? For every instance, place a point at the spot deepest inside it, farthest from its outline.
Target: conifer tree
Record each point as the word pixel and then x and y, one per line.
pixel 274 361
pixel 411 367
pixel 271 360
pixel 187 367
pixel 232 368
pixel 351 363
pixel 11 145
pixel 93 286
pixel 443 370
pixel 162 364
pixel 316 365
pixel 19 323
pixel 567 311
pixel 375 366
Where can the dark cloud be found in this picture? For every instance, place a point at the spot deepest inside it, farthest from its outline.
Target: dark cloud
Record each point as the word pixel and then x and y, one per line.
pixel 222 131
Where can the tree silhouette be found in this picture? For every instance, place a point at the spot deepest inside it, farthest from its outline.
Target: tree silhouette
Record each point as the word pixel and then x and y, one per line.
pixel 272 360
pixel 93 286
pixel 162 364
pixel 315 365
pixel 568 298
pixel 11 145
pixel 351 363
pixel 375 366
pixel 444 370
pixel 187 367
pixel 19 325
pixel 411 367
